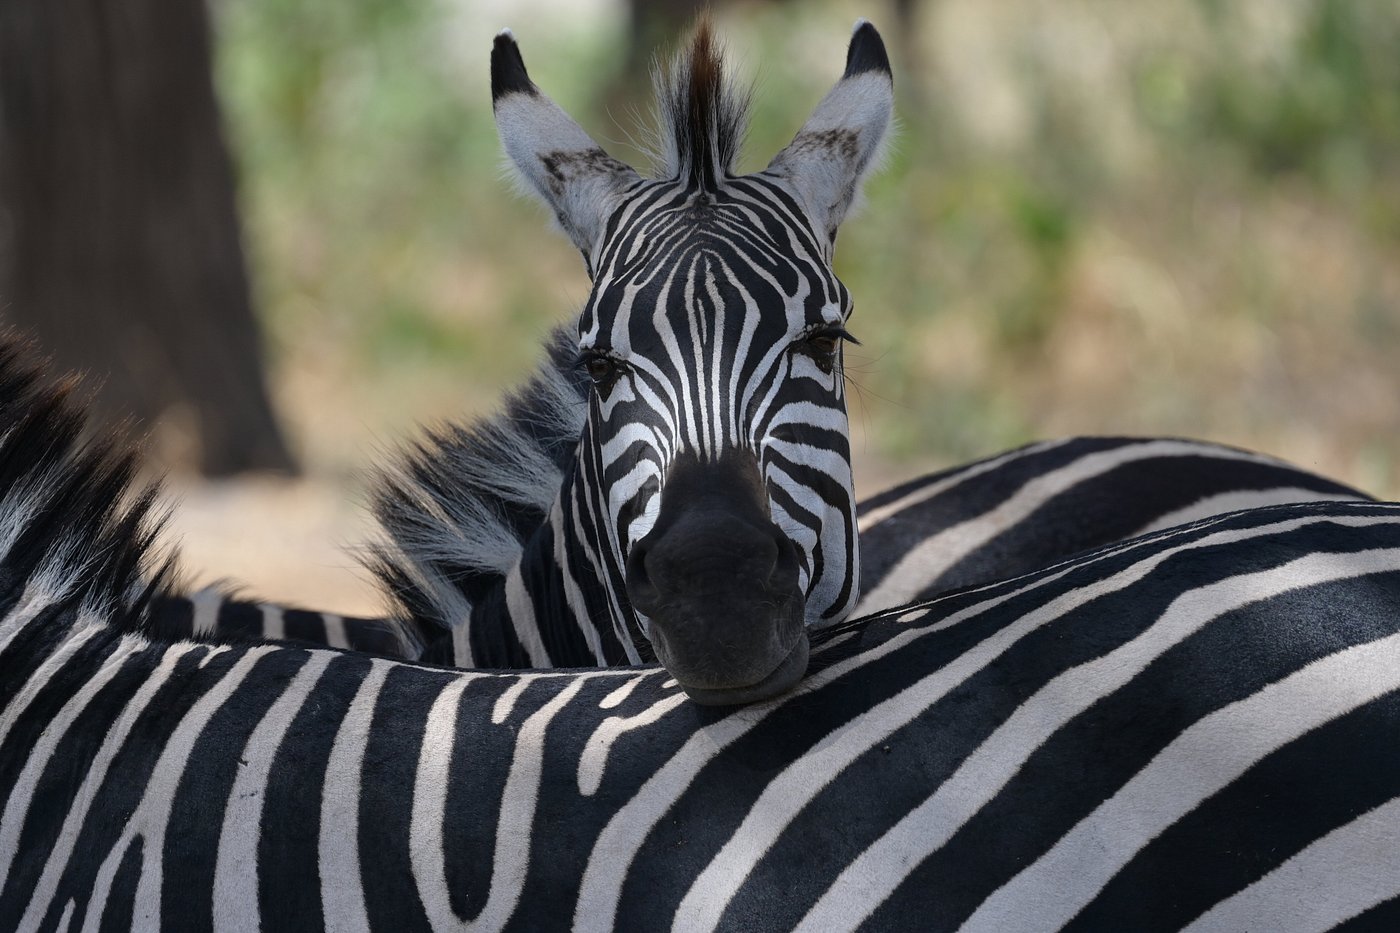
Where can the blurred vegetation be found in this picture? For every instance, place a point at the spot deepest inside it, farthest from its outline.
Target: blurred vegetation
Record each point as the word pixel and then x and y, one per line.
pixel 1176 218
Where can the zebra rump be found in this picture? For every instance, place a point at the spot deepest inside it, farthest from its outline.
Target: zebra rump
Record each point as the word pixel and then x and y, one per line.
pixel 1188 730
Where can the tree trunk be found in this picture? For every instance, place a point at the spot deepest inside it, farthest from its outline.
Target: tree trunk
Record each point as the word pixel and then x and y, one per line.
pixel 119 238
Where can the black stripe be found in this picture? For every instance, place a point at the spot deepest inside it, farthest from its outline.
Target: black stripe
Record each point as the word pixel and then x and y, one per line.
pixel 196 817
pixel 386 798
pixel 1294 796
pixel 300 625
pixel 240 620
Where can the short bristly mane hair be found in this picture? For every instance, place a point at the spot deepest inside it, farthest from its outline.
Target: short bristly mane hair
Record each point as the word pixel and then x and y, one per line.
pixel 79 536
pixel 701 118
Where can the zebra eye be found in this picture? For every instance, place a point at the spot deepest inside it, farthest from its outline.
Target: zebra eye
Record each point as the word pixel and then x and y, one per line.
pixel 824 343
pixel 601 369
pixel 821 345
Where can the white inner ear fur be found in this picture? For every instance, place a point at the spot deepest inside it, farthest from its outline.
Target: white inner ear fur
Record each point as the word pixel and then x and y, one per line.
pixel 562 165
pixel 841 143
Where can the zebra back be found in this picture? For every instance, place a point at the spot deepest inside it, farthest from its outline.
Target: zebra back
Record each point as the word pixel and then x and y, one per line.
pixel 215 614
pixel 998 517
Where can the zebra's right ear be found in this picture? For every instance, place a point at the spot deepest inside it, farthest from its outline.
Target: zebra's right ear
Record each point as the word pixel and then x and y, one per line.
pixel 580 182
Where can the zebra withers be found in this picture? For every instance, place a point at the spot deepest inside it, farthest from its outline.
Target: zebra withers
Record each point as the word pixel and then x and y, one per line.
pixel 706 507
pixel 1188 730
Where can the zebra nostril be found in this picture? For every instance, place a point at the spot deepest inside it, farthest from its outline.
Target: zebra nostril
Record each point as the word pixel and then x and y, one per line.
pixel 640 588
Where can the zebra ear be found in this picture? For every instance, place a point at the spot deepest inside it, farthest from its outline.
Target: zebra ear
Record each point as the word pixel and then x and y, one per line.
pixel 579 182
pixel 840 142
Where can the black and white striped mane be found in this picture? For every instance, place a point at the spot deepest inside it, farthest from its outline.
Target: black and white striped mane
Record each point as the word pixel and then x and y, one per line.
pixel 701 117
pixel 76 533
pixel 457 506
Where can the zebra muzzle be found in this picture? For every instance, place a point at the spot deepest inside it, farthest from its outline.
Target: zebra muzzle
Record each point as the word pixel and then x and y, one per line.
pixel 717 581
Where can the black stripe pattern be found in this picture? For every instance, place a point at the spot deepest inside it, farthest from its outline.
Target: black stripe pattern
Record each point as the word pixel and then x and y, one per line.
pixel 1186 730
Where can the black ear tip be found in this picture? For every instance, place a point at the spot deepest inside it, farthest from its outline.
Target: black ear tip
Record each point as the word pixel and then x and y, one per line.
pixel 508 75
pixel 867 51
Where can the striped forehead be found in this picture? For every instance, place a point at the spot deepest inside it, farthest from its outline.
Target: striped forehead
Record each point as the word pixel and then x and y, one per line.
pixel 685 254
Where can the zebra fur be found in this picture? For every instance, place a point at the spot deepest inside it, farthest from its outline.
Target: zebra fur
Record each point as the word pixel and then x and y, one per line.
pixel 997 517
pixel 215 614
pixel 1184 731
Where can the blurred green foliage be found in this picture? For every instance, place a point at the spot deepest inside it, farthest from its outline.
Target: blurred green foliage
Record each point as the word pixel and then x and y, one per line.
pixel 1098 217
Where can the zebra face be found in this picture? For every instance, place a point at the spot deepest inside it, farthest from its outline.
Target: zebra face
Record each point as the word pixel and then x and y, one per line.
pixel 718 429
pixel 715 460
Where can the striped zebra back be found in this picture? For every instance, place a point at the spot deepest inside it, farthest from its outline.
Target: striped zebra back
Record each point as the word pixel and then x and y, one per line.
pixel 998 517
pixel 1184 731
pixel 1030 507
pixel 214 614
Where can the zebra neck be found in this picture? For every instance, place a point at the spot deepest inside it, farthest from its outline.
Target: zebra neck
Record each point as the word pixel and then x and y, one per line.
pixel 562 604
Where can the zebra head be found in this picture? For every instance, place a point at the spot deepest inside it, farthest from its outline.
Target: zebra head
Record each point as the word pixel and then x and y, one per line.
pixel 715 458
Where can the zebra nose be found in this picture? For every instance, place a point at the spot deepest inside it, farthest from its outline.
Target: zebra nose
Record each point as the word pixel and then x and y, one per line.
pixel 704 556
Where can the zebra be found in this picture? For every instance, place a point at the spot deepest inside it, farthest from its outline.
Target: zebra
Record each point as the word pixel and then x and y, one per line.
pixel 684 468
pixel 1187 730
pixel 1000 516
pixel 218 613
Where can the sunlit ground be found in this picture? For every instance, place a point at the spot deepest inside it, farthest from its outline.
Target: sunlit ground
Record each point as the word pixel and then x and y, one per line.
pixel 1176 218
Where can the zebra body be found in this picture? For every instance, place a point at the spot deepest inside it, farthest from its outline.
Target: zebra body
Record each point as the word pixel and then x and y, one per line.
pixel 1187 730
pixel 998 517
pixel 1030 507
pixel 215 614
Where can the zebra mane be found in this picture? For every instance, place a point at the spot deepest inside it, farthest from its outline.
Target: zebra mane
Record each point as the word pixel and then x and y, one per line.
pixel 701 117
pixel 77 537
pixel 456 507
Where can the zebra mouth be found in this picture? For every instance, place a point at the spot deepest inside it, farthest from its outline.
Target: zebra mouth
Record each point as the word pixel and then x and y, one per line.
pixel 779 681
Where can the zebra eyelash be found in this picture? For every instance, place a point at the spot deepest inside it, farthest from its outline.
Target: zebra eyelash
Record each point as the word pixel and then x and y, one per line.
pixel 600 365
pixel 823 344
pixel 820 331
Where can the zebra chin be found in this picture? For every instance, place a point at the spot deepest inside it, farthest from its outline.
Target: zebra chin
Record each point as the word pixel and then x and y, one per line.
pixel 716 668
pixel 718 583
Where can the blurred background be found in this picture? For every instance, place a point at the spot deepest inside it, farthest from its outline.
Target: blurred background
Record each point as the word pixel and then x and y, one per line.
pixel 1173 218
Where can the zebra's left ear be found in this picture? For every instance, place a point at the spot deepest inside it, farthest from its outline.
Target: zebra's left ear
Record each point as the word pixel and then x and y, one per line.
pixel 571 173
pixel 840 143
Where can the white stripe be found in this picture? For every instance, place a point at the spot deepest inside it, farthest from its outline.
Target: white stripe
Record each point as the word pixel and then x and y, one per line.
pixel 342 887
pixel 462 645
pixel 505 704
pixel 1346 872
pixel 932 557
pixel 513 827
pixel 1199 763
pixel 236 866
pixel 573 593
pixel 912 498
pixel 274 627
pixel 621 693
pixel 335 630
pixel 1238 500
pixel 523 621
pixel 152 816
pixel 594 759
pixel 879 870
pixel 206 603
